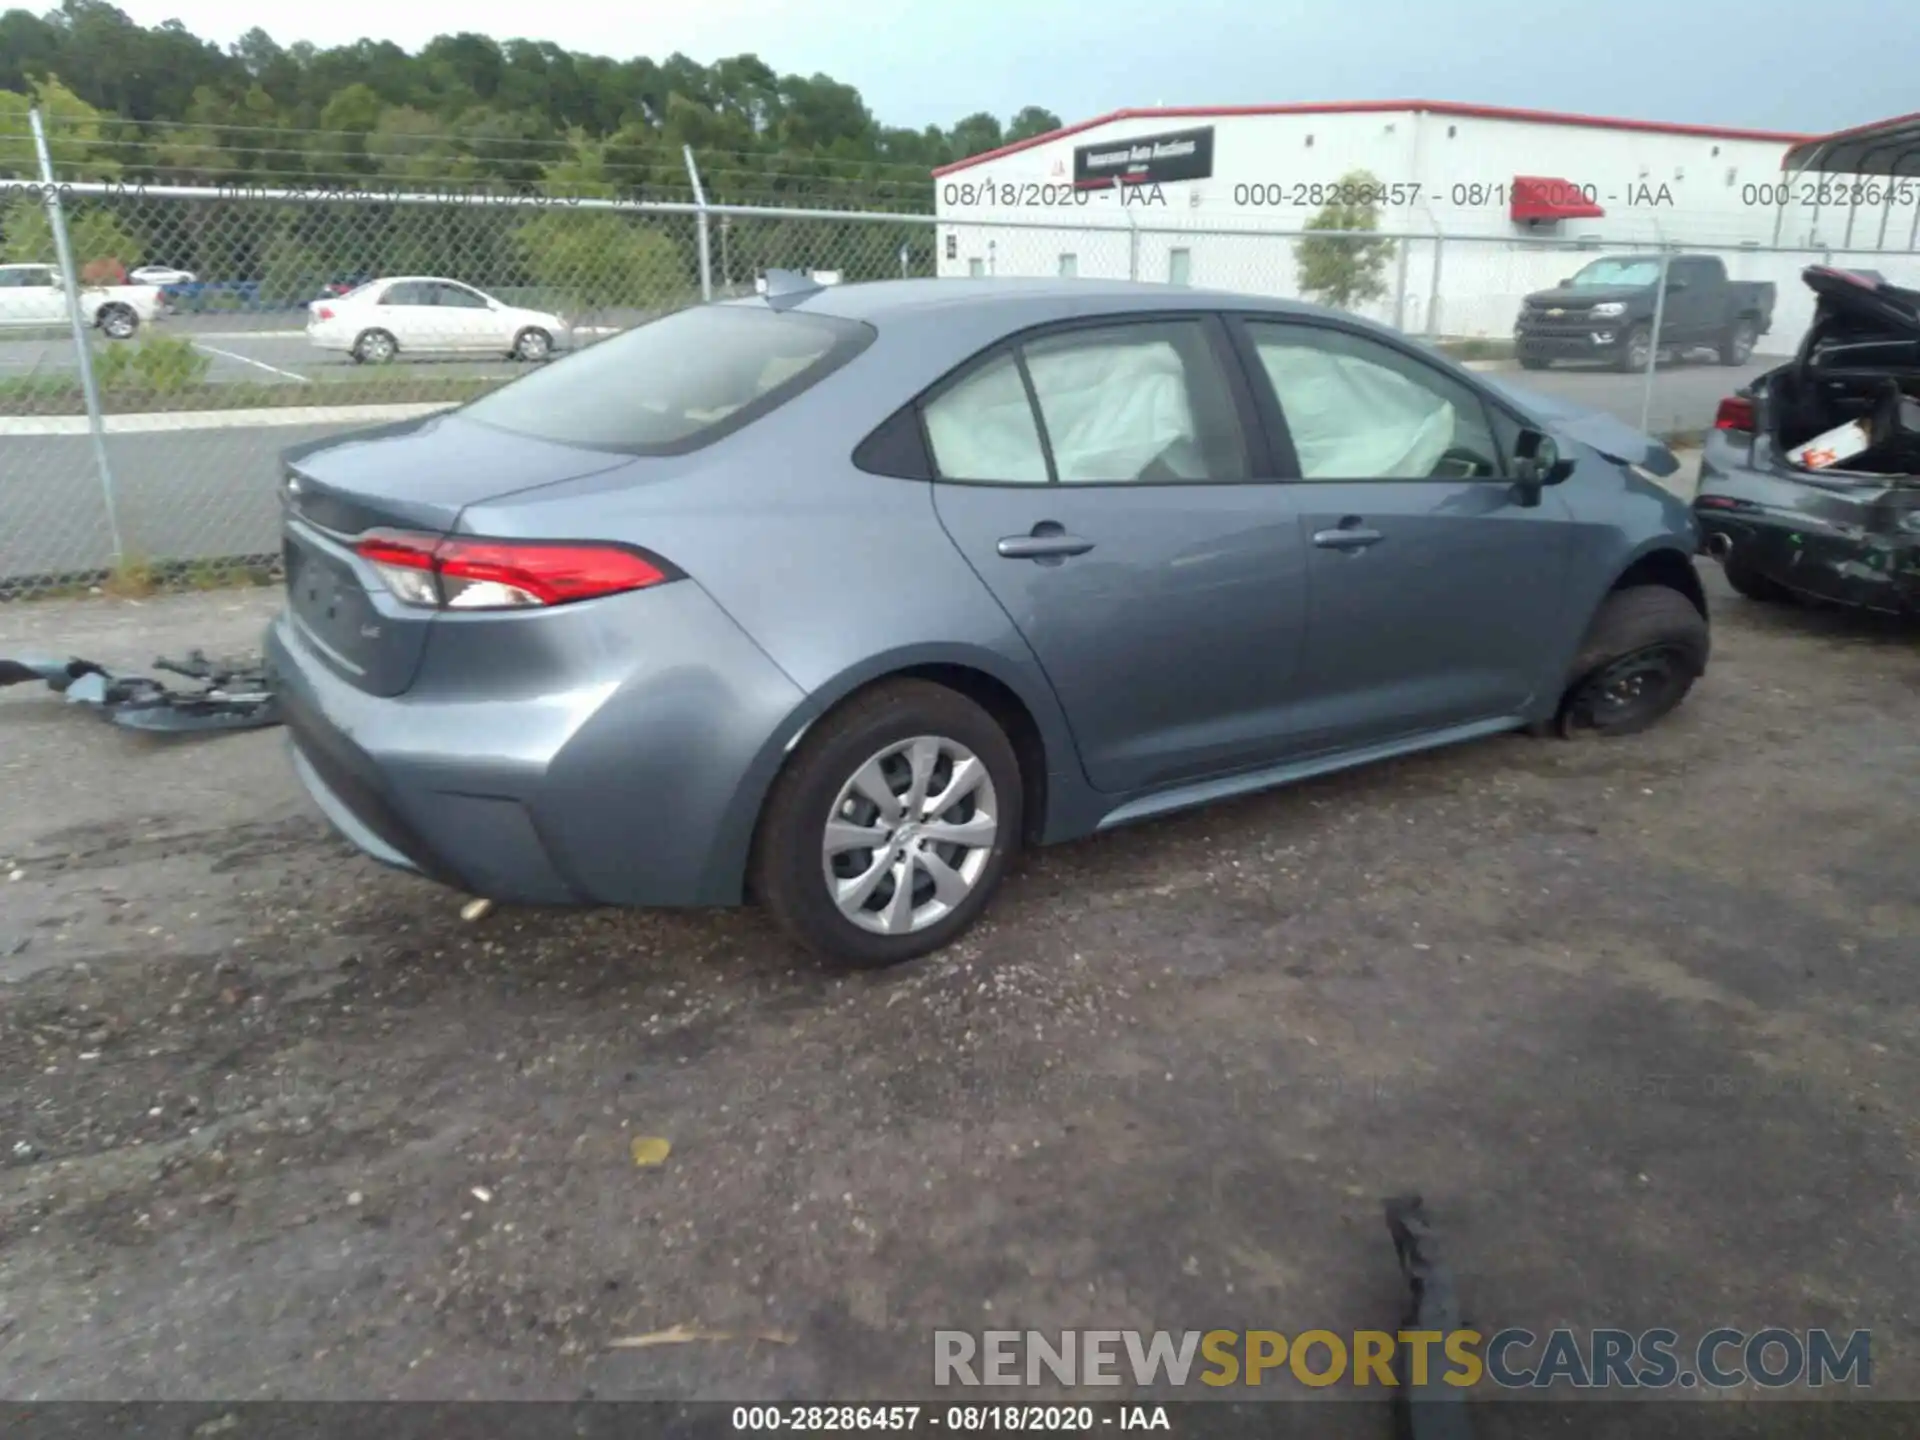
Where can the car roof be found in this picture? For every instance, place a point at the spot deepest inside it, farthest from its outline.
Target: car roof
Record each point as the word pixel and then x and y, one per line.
pixel 1020 301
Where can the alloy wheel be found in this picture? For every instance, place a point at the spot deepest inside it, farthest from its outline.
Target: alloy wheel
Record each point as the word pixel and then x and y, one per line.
pixel 909 835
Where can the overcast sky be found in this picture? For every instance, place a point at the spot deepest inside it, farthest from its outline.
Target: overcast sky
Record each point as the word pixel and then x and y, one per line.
pixel 1769 64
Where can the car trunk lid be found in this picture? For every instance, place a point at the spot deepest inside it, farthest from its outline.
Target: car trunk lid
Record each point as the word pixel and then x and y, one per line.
pixel 415 476
pixel 1845 407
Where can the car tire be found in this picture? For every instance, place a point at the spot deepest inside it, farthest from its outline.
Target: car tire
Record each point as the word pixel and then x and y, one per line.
pixel 1638 338
pixel 878 735
pixel 1737 347
pixel 374 347
pixel 1646 647
pixel 1747 581
pixel 532 344
pixel 1535 363
pixel 117 322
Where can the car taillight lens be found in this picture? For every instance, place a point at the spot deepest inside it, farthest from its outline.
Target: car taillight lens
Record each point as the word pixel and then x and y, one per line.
pixel 322 312
pixel 1735 413
pixel 457 573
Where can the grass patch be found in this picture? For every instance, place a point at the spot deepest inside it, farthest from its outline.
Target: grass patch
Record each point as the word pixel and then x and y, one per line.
pixel 131 579
pixel 126 395
pixel 138 578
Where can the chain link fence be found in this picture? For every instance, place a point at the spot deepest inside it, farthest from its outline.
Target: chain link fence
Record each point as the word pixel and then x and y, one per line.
pixel 289 315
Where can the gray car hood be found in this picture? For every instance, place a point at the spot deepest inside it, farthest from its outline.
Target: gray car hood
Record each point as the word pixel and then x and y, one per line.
pixel 1615 439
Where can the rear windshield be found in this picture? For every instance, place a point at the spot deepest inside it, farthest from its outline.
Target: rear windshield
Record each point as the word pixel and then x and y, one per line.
pixel 675 383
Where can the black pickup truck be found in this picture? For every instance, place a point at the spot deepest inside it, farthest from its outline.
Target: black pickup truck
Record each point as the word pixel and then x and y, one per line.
pixel 1605 312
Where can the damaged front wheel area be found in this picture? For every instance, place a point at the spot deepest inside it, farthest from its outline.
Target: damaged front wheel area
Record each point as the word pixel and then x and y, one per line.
pixel 1646 648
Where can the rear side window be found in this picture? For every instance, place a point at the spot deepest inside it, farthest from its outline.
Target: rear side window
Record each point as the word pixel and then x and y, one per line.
pixel 677 383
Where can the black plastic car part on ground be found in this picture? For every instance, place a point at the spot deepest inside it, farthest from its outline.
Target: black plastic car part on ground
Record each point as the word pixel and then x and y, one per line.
pixel 1843 526
pixel 1433 1410
pixel 229 695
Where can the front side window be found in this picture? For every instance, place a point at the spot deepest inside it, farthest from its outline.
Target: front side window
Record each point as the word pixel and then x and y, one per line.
pixel 1360 410
pixel 459 297
pixel 677 382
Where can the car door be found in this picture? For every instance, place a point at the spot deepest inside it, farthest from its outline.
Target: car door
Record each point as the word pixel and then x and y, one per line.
pixel 1685 320
pixel 1435 592
pixel 13 297
pixel 407 311
pixel 468 319
pixel 29 297
pixel 1108 482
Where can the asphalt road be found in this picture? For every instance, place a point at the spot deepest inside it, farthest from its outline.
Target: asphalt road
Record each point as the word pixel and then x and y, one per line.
pixel 1639 1018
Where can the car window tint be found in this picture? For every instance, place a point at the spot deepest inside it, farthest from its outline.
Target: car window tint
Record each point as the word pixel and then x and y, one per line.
pixel 458 296
pixel 675 383
pixel 407 293
pixel 1139 402
pixel 1360 410
pixel 982 428
pixel 10 279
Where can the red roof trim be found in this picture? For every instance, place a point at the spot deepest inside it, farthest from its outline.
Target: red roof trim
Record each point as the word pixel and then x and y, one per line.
pixel 1542 197
pixel 1867 129
pixel 1362 107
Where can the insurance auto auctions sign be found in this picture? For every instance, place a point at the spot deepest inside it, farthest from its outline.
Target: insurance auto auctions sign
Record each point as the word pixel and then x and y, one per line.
pixel 1145 160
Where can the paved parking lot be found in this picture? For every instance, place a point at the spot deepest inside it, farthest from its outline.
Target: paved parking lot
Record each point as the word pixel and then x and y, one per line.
pixel 1638 1017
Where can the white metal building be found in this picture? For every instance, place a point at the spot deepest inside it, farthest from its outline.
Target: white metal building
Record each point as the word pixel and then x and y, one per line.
pixel 1205 196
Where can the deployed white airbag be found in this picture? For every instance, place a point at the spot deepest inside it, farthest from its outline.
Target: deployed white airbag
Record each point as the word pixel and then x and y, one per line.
pixel 983 429
pixel 1354 420
pixel 1112 410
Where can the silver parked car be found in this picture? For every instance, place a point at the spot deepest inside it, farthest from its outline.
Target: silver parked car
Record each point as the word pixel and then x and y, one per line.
pixel 836 597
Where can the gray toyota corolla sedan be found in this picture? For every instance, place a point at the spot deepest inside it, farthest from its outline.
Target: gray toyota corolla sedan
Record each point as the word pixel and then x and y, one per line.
pixel 834 598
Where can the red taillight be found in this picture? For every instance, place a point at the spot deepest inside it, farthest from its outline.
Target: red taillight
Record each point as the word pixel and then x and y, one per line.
pixel 322 312
pixel 461 574
pixel 1735 413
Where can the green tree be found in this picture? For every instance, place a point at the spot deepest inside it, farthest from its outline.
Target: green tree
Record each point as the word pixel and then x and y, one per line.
pixel 94 231
pixel 589 261
pixel 1339 266
pixel 79 138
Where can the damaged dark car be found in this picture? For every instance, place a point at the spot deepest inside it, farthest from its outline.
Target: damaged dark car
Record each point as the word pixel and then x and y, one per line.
pixel 1810 480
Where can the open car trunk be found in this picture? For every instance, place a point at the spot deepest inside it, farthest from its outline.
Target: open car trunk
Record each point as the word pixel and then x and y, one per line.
pixel 1848 404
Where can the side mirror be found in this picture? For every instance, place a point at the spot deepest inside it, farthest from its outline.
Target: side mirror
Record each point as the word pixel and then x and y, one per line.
pixel 1674 282
pixel 1537 463
pixel 1564 281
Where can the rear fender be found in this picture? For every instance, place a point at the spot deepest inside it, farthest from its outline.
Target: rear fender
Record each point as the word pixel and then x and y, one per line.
pixel 1072 808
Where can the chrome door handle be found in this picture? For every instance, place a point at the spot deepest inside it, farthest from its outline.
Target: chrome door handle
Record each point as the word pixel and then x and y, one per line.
pixel 1042 547
pixel 1347 538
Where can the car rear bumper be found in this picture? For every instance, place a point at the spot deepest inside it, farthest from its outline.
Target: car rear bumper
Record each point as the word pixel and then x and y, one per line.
pixel 1848 566
pixel 631 776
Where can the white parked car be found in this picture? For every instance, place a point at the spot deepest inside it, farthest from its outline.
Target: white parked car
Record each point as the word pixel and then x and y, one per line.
pixel 32 298
pixel 427 315
pixel 161 275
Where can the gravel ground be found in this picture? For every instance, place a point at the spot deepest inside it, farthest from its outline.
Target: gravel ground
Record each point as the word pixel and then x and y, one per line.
pixel 1639 1019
